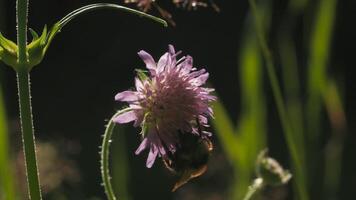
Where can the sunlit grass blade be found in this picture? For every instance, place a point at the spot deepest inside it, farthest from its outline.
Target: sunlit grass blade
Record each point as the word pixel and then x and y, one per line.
pixel 292 88
pixel 251 123
pixel 232 146
pixel 298 164
pixel 225 130
pixel 320 41
pixel 319 46
pixel 334 148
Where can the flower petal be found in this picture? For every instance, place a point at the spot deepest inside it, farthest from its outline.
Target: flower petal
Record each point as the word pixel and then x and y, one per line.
pixel 142 146
pixel 163 62
pixel 127 96
pixel 125 117
pixel 196 73
pixel 187 65
pixel 152 156
pixel 200 80
pixel 138 84
pixel 148 60
pixel 171 49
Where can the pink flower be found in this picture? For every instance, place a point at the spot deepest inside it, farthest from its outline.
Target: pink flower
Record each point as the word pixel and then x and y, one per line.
pixel 144 5
pixel 169 101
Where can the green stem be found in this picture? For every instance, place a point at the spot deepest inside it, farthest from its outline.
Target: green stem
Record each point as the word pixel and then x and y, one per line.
pixel 105 172
pixel 254 188
pixel 21 9
pixel 287 130
pixel 23 81
pixel 97 6
pixel 28 138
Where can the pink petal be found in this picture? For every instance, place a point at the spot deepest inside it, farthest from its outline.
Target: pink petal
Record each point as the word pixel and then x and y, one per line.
pixel 171 49
pixel 148 60
pixel 152 156
pixel 127 96
pixel 187 65
pixel 203 119
pixel 197 73
pixel 200 80
pixel 142 146
pixel 163 62
pixel 138 84
pixel 125 117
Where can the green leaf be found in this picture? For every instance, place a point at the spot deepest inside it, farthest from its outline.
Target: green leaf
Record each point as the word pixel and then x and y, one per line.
pixel 8 51
pixel 7 45
pixel 43 38
pixel 34 34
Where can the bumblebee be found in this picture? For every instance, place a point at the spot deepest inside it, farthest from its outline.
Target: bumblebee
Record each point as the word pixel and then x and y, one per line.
pixel 190 159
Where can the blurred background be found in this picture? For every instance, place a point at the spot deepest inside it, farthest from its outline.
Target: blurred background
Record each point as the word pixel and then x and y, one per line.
pixel 94 57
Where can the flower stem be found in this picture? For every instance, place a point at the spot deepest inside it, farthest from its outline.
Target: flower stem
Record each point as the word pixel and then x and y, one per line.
pixel 28 138
pixel 254 188
pixel 105 173
pixel 298 161
pixel 21 11
pixel 23 84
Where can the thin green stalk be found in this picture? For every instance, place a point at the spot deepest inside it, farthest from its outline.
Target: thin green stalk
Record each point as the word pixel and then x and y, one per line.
pixel 105 172
pixel 97 6
pixel 287 130
pixel 28 138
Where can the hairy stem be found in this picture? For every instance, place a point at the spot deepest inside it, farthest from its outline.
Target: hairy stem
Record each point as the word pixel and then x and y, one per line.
pixel 23 84
pixel 105 172
pixel 28 138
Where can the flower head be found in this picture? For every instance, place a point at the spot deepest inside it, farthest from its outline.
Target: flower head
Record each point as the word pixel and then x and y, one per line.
pixel 169 101
pixel 144 5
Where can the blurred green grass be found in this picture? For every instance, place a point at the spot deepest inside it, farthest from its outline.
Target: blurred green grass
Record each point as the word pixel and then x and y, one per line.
pixel 7 189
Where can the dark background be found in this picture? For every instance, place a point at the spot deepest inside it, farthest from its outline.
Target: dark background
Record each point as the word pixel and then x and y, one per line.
pixel 94 57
